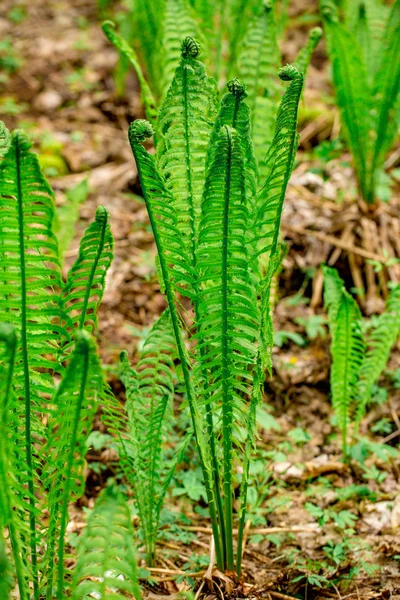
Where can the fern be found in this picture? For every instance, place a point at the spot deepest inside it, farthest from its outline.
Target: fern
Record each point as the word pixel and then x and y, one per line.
pixel 347 350
pixel 227 300
pixel 366 75
pixel 75 401
pixel 84 289
pixel 129 54
pixel 106 563
pixel 67 215
pixel 28 299
pixel 179 23
pixel 4 139
pixel 258 64
pixel 149 390
pixel 303 58
pixel 10 505
pixel 382 339
pixel 184 128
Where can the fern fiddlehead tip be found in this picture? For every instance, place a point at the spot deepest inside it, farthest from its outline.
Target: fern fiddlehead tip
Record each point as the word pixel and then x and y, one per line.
pixel 123 356
pixel 190 47
pixel 267 5
pixel 237 88
pixel 316 34
pixel 140 130
pixel 8 334
pixel 108 25
pixel 289 73
pixel 82 341
pixel 102 214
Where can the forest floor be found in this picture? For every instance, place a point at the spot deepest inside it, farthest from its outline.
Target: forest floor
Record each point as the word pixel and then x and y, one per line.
pixel 318 528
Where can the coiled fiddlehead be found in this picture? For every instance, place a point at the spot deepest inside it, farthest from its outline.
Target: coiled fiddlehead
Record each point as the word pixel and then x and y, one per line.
pixel 190 48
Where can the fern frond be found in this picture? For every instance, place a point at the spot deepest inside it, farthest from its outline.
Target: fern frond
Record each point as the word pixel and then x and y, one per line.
pixel 353 91
pixel 280 161
pixel 227 301
pixel 382 339
pixel 303 58
pixel 184 128
pixel 130 55
pixel 175 270
pixel 84 289
pixel 235 112
pixel 258 64
pixel 30 277
pixel 106 565
pixel 69 425
pixel 149 389
pixel 347 349
pixel 148 19
pixel 5 139
pixel 241 13
pixel 179 23
pixel 386 89
pixel 11 509
pixel 6 579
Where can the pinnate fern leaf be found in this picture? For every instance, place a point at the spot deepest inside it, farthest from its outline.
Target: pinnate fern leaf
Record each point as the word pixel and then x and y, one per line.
pixel 4 139
pixel 179 23
pixel 353 91
pixel 258 64
pixel 280 160
pixel 184 127
pixel 303 58
pixel 380 343
pixel 106 563
pixel 347 349
pixel 86 280
pixel 130 55
pixel 76 401
pixel 29 282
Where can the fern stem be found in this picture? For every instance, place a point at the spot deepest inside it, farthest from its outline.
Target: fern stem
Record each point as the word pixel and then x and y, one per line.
pixel 226 388
pixel 25 361
pixel 64 503
pixel 182 358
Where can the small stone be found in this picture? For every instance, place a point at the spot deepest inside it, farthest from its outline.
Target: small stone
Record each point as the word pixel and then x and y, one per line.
pixel 48 100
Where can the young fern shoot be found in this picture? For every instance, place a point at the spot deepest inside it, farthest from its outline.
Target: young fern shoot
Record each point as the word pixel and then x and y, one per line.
pixel 216 266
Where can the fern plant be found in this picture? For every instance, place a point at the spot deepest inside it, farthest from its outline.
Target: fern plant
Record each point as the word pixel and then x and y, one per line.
pixel 216 227
pixel 238 37
pixel 106 565
pixel 51 379
pixel 357 364
pixel 142 426
pixel 364 50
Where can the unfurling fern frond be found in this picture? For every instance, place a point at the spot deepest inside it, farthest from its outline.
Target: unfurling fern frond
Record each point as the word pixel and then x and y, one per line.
pixel 303 58
pixel 184 128
pixel 69 425
pixel 5 139
pixel 148 18
pixel 347 349
pixel 174 261
pixel 11 508
pixel 380 343
pixel 129 54
pixel 235 112
pixel 227 300
pixel 86 280
pixel 29 280
pixel 258 64
pixel 179 23
pixel 106 566
pixel 280 161
pixel 149 390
